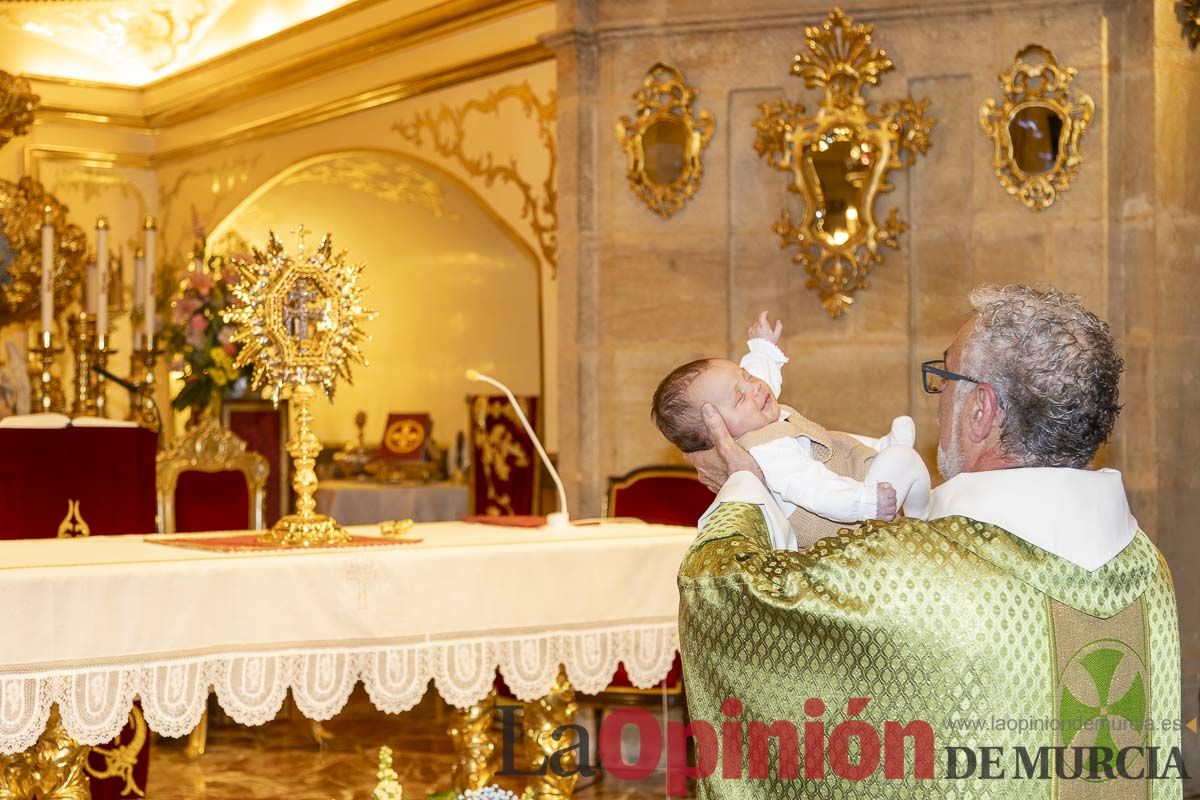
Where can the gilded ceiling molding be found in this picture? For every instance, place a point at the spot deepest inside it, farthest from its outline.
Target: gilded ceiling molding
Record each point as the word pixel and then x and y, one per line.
pixel 17 104
pixel 38 155
pixel 445 133
pixel 401 90
pixel 1188 14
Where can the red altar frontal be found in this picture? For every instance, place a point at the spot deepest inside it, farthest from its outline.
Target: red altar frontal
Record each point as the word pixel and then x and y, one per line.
pixel 84 481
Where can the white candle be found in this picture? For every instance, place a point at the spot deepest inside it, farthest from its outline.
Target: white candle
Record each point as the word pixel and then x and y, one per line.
pixel 90 305
pixel 139 295
pixel 102 277
pixel 47 273
pixel 148 308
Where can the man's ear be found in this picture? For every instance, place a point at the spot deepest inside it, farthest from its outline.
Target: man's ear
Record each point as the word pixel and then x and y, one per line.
pixel 984 413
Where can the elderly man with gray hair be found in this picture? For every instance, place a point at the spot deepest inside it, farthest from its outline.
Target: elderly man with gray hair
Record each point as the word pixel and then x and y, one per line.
pixel 1023 642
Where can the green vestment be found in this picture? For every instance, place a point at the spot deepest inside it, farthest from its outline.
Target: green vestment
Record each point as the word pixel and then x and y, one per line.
pixel 992 641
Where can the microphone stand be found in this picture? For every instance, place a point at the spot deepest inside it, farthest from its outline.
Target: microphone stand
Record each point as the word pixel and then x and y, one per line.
pixel 558 520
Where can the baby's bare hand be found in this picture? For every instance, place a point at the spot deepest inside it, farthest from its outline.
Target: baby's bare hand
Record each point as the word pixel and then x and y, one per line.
pixel 885 502
pixel 762 329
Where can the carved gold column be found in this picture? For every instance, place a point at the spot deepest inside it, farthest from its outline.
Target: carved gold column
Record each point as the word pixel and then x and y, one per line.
pixel 474 744
pixel 53 769
pixel 542 718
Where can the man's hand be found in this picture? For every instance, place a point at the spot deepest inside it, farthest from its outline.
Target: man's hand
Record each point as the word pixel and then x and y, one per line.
pixel 885 502
pixel 761 329
pixel 726 456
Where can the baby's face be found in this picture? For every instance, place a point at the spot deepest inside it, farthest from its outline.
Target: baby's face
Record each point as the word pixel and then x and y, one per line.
pixel 744 402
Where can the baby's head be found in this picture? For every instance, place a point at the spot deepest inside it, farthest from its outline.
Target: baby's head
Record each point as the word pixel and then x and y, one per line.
pixel 744 402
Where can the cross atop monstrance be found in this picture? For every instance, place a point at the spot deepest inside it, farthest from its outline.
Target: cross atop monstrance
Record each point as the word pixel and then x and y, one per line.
pixel 299 323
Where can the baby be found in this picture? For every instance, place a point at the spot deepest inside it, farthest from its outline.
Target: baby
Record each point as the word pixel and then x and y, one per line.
pixel 823 480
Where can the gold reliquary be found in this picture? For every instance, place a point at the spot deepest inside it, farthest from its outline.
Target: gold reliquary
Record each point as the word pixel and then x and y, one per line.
pixel 1036 128
pixel 664 141
pixel 838 160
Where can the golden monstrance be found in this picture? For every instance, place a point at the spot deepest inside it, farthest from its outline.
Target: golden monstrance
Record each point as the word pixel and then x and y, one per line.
pixel 299 325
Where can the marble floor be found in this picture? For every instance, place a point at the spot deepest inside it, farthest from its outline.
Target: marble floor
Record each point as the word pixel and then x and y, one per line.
pixel 282 760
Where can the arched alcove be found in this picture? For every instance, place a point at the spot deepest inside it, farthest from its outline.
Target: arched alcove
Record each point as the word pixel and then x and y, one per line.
pixel 454 287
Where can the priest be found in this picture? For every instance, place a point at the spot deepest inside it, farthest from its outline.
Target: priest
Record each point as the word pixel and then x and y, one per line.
pixel 1021 643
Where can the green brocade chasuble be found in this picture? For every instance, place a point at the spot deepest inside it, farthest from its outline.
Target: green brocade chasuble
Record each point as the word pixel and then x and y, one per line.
pixel 949 648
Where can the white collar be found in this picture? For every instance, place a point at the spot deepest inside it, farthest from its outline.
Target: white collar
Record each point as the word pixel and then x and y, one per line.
pixel 1076 514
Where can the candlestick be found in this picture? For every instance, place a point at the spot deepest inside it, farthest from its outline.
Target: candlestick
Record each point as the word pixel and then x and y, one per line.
pixel 101 310
pixel 139 295
pixel 47 271
pixel 143 410
pixel 100 355
pixel 148 306
pixel 82 329
pixel 45 387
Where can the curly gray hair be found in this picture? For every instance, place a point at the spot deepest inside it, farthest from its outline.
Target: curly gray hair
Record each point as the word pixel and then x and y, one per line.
pixel 1054 367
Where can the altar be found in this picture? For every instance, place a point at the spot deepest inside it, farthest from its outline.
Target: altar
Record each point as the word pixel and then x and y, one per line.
pixel 454 606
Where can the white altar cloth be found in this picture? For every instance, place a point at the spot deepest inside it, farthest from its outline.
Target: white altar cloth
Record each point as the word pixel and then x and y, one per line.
pixel 92 623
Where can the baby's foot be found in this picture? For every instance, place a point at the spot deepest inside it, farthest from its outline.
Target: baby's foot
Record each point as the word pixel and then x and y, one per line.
pixel 904 431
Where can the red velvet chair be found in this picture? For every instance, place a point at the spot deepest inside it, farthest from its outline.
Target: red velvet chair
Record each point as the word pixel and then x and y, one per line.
pixel 208 481
pixel 84 481
pixel 665 495
pixel 208 463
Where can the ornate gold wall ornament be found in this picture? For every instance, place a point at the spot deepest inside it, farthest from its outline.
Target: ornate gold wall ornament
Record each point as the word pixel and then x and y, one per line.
pixel 664 141
pixel 24 208
pixel 1036 128
pixel 17 104
pixel 1188 14
pixel 73 523
pixel 121 759
pixel 840 158
pixel 446 131
pixel 299 323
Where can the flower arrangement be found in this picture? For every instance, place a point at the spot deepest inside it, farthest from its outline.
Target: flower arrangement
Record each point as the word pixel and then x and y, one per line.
pixel 197 338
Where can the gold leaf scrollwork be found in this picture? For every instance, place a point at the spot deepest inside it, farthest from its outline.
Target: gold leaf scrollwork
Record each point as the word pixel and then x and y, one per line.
pixel 665 174
pixel 499 451
pixel 1036 128
pixel 446 132
pixel 1188 14
pixel 25 207
pixel 839 158
pixel 17 106
pixel 121 759
pixel 73 523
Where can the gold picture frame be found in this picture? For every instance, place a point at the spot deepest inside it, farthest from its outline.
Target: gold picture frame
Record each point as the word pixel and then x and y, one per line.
pixel 1036 128
pixel 664 141
pixel 839 159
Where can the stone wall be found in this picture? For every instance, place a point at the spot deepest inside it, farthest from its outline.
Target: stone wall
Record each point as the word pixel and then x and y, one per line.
pixel 639 295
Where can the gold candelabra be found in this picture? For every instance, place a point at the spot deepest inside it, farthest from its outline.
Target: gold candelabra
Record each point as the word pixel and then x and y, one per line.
pixel 99 382
pixel 46 388
pixel 143 410
pixel 82 333
pixel 299 321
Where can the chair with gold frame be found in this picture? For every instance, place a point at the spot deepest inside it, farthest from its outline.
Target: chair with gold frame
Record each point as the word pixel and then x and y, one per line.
pixel 210 462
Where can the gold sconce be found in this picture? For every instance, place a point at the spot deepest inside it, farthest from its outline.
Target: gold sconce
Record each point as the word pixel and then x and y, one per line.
pixel 839 159
pixel 664 141
pixel 1037 127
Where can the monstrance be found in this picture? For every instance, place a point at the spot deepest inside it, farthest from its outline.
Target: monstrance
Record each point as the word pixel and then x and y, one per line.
pixel 299 324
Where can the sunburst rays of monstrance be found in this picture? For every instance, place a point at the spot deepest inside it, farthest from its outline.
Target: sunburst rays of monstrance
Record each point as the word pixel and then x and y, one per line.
pixel 298 321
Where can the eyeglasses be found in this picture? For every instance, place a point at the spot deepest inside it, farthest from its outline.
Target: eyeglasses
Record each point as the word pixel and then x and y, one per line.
pixel 935 376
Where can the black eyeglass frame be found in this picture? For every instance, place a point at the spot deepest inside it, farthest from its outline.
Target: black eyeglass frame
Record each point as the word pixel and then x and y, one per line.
pixel 930 367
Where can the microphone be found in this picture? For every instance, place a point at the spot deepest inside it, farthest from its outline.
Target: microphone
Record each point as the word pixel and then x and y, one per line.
pixel 560 518
pixel 135 389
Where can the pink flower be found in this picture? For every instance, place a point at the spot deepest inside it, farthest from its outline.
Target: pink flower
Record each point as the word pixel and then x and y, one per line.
pixel 183 308
pixel 229 347
pixel 194 337
pixel 229 276
pixel 202 282
pixel 199 323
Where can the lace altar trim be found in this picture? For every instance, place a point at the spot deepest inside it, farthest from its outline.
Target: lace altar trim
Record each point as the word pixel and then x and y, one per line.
pixel 94 703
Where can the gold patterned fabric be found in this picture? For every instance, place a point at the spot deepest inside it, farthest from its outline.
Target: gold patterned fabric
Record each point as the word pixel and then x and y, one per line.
pixel 956 623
